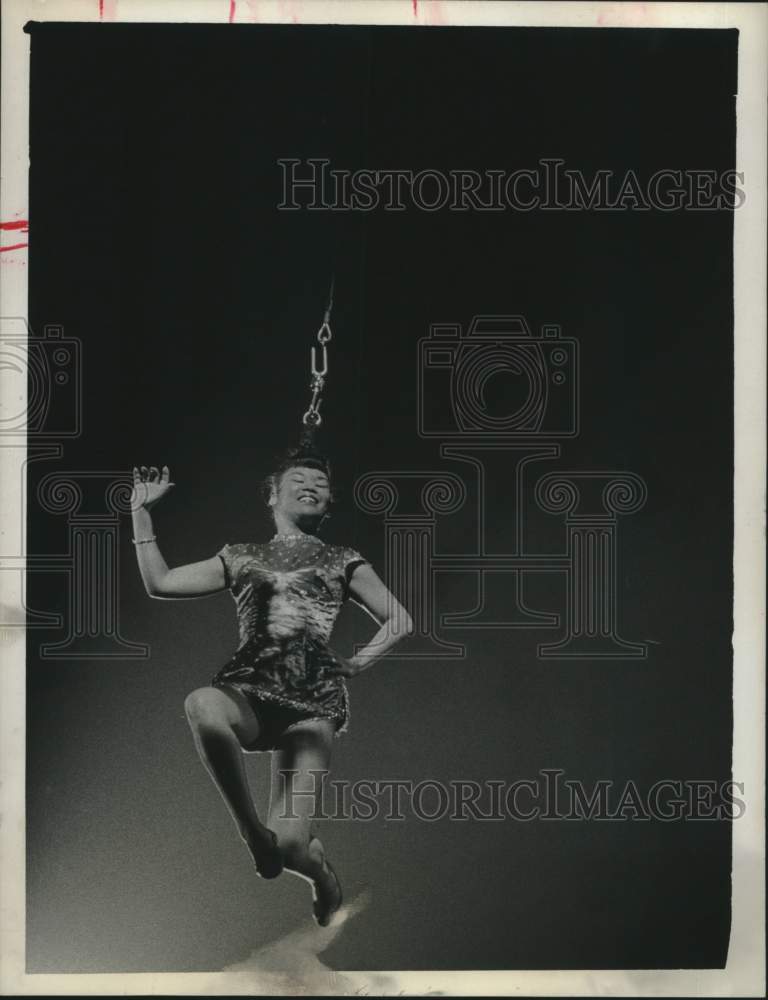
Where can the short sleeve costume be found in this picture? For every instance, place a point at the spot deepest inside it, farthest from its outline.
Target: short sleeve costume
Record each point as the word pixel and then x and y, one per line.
pixel 288 593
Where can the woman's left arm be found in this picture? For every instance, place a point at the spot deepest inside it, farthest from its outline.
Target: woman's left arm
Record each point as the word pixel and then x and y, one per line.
pixel 368 590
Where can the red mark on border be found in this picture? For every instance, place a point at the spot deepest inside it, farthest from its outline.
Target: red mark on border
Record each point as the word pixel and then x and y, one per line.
pixel 232 7
pixel 22 225
pixel 415 8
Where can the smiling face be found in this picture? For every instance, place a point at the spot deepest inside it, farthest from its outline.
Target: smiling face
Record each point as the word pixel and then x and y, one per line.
pixel 303 495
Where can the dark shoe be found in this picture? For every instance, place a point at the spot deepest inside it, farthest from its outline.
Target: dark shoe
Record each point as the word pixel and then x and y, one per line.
pixel 269 862
pixel 325 903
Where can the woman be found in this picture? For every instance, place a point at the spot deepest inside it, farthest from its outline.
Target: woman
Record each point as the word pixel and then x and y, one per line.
pixel 283 691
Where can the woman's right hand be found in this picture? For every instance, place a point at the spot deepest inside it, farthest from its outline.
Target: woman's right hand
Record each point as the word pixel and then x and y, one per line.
pixel 149 486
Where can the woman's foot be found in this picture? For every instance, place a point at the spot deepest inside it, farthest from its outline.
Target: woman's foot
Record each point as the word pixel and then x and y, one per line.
pixel 266 855
pixel 327 895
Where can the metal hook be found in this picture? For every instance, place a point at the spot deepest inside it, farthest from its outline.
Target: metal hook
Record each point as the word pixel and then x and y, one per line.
pixel 324 333
pixel 312 416
pixel 315 370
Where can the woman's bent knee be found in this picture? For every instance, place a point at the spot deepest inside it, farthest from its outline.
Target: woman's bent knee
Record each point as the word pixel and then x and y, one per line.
pixel 207 707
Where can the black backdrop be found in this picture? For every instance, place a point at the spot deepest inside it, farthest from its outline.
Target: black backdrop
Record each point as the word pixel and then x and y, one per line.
pixel 156 240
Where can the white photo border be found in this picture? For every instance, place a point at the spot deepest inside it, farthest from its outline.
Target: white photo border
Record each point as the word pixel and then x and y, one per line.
pixel 744 975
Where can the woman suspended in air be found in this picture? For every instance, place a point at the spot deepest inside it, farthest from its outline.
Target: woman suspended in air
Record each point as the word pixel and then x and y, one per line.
pixel 284 689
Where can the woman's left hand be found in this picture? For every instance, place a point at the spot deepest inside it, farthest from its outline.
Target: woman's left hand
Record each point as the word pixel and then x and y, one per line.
pixel 343 666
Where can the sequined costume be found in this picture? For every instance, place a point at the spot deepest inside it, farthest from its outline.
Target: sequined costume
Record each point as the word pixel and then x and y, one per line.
pixel 288 593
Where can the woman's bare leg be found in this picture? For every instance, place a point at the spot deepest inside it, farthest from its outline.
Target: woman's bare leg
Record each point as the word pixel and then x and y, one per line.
pixel 297 770
pixel 222 723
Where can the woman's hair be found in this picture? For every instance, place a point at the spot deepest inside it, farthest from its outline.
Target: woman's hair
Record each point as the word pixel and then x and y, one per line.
pixel 305 455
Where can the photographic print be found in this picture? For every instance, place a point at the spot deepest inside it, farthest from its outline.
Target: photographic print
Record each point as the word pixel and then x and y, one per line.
pixel 383 453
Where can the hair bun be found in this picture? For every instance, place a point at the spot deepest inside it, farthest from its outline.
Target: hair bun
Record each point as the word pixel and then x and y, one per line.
pixel 306 453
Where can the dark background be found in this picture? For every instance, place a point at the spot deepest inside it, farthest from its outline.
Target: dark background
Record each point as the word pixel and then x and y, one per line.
pixel 156 240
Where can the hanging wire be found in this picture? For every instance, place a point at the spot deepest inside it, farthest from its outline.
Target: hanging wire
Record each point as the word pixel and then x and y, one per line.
pixel 312 418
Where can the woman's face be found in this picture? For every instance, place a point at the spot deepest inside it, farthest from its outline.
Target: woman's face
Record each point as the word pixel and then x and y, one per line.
pixel 302 491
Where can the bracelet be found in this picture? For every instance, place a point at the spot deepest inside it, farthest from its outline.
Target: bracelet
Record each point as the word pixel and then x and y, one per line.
pixel 144 541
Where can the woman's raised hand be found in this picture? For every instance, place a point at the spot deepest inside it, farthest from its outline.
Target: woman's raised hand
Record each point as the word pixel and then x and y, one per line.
pixel 149 486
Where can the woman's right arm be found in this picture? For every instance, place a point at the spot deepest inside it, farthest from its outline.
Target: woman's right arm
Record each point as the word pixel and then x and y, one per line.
pixel 192 580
